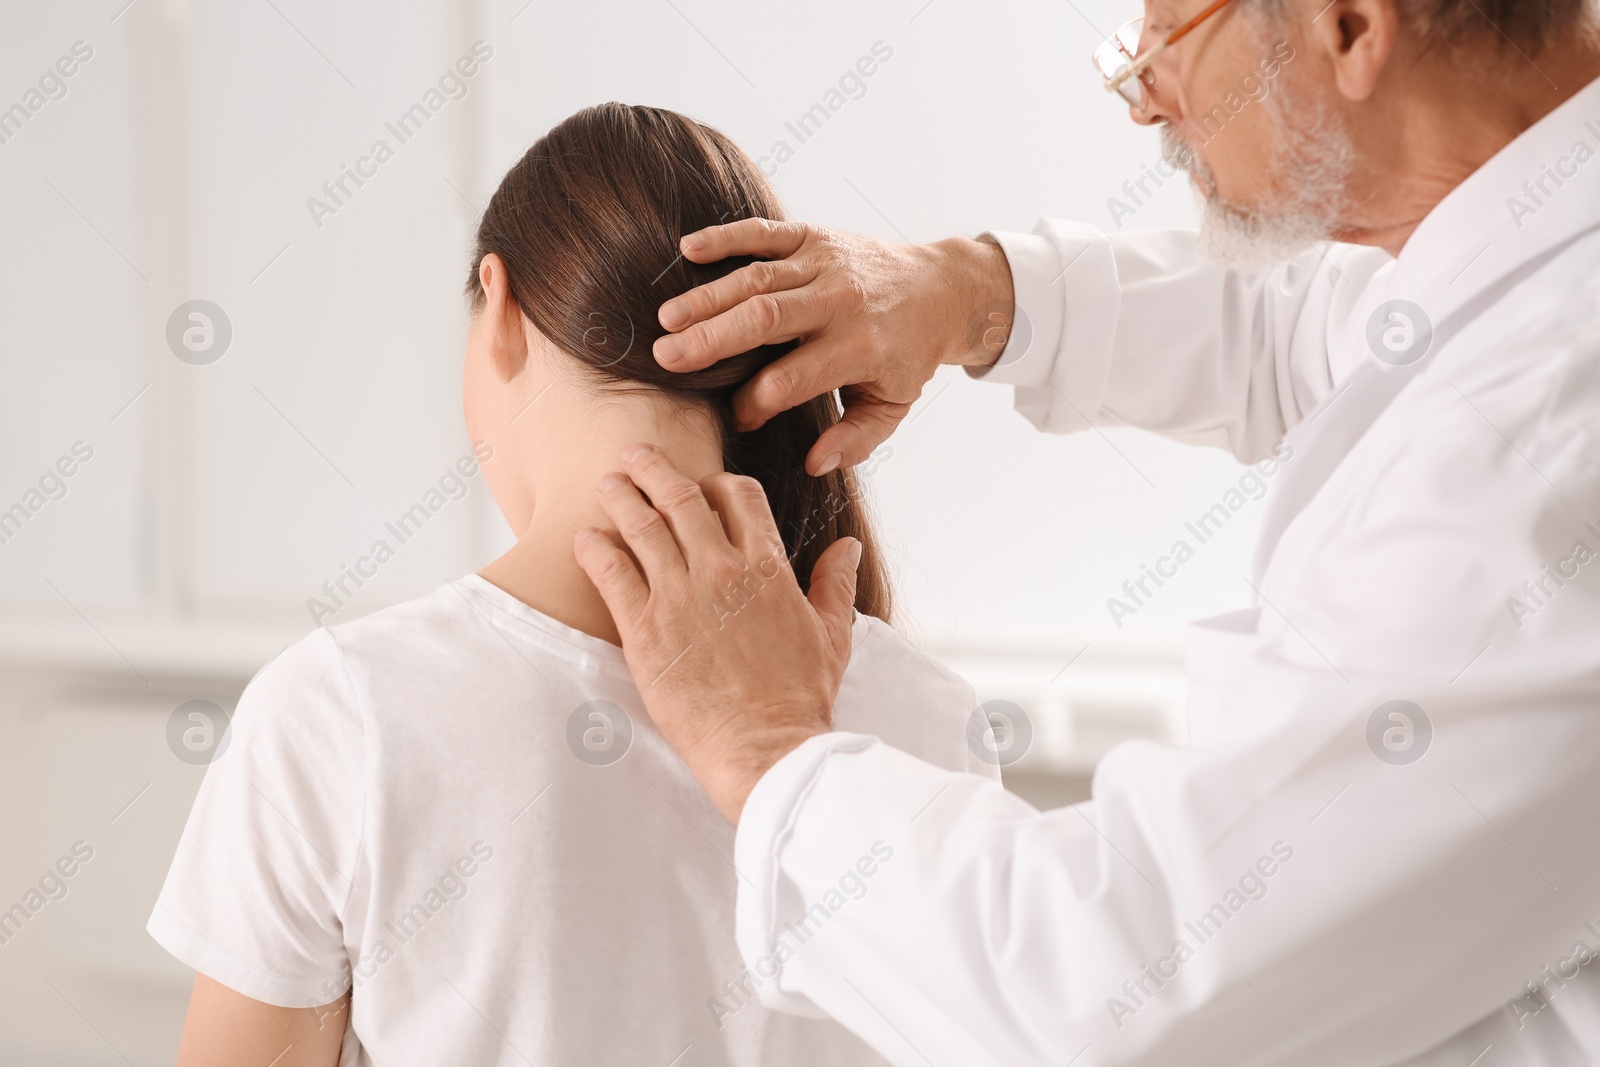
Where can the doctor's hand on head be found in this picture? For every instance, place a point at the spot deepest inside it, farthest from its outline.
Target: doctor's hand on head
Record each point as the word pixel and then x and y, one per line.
pixel 736 666
pixel 876 320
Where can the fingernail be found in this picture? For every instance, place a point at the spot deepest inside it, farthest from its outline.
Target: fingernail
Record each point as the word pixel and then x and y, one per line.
pixel 667 350
pixel 612 480
pixel 693 243
pixel 584 535
pixel 634 452
pixel 855 555
pixel 674 314
pixel 830 464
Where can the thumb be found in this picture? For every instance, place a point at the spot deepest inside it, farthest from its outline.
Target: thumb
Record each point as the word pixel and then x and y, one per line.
pixel 866 423
pixel 833 588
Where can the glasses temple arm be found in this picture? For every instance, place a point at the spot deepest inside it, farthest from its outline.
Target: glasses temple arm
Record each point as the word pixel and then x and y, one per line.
pixel 1183 31
pixel 1138 66
pixel 1142 63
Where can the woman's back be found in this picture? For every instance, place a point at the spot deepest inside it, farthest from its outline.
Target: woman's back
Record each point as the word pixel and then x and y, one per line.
pixel 457 808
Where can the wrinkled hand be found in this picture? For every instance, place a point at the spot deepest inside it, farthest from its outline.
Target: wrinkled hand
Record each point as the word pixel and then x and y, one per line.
pixel 734 663
pixel 877 320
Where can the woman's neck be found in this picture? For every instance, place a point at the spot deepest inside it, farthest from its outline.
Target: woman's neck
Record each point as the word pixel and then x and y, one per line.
pixel 540 570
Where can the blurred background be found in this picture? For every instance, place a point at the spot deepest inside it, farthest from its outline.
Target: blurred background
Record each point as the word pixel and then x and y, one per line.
pixel 249 362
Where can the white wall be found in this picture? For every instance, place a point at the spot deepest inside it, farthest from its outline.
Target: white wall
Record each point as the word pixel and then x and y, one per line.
pixel 235 489
pixel 178 166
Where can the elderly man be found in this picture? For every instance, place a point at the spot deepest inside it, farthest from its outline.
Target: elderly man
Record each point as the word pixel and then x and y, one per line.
pixel 1381 845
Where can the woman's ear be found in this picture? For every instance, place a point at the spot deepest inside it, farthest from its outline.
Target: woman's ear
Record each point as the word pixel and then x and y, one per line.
pixel 501 320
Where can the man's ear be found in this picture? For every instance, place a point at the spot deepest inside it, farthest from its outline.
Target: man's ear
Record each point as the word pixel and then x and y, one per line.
pixel 502 320
pixel 1358 39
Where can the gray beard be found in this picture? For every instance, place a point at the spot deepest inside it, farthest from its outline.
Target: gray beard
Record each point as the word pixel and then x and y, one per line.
pixel 1303 191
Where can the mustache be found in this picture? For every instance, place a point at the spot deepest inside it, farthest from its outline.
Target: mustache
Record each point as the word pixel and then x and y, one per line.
pixel 1180 155
pixel 1175 151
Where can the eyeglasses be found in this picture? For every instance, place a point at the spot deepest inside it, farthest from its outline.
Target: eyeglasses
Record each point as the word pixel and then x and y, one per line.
pixel 1127 73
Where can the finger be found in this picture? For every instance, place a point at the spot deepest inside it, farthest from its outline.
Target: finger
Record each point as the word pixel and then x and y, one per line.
pixel 806 373
pixel 747 515
pixel 643 529
pixel 747 237
pixel 763 319
pixel 715 297
pixel 679 500
pixel 866 423
pixel 833 589
pixel 621 585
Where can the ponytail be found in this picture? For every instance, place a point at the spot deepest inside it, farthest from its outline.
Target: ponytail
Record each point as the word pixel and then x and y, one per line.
pixel 587 223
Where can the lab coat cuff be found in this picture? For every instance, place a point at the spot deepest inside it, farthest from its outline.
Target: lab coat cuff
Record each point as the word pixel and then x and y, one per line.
pixel 765 826
pixel 1030 352
pixel 1069 299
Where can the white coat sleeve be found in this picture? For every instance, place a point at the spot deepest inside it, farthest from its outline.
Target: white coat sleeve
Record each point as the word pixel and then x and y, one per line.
pixel 1287 899
pixel 1141 329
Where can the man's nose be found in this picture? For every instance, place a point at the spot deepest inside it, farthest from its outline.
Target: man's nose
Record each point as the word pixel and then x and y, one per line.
pixel 1158 107
pixel 1150 116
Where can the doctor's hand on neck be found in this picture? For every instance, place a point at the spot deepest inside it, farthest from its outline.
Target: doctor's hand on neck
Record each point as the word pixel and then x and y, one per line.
pixel 736 666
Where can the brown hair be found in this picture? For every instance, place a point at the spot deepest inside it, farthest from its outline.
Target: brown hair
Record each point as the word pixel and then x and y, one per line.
pixel 587 223
pixel 1532 23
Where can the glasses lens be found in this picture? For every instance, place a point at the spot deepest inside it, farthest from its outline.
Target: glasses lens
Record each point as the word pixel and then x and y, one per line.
pixel 1132 89
pixel 1111 60
pixel 1129 35
pixel 1115 56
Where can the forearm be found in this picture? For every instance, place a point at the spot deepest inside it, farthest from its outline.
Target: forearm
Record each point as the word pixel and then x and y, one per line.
pixel 1144 329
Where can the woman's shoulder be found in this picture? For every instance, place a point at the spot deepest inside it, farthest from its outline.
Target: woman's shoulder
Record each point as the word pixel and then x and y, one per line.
pixel 321 675
pixel 405 629
pixel 896 691
pixel 327 650
pixel 887 654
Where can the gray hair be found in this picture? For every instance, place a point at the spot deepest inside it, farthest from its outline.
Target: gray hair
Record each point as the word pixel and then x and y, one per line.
pixel 1528 23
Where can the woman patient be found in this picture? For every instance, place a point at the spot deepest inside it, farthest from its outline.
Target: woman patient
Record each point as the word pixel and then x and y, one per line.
pixel 447 833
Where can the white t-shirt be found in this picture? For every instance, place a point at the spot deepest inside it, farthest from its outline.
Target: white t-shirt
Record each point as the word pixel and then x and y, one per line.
pixel 459 806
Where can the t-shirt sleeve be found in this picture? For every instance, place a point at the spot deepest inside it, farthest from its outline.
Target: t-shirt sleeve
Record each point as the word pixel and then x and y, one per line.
pixel 257 890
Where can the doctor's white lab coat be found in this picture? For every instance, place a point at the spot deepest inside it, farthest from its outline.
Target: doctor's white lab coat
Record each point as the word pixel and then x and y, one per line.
pixel 1314 880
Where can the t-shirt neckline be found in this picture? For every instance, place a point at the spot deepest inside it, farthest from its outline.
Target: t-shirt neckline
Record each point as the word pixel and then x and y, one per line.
pixel 602 650
pixel 546 625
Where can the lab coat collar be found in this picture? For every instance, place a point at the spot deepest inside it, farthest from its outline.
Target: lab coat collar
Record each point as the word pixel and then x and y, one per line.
pixel 1483 231
pixel 1499 218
